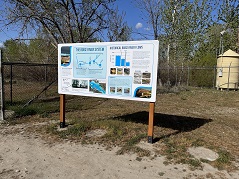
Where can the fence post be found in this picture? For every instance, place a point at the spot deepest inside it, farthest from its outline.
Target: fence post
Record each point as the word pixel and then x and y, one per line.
pixel 45 76
pixel 229 73
pixel 188 76
pixel 11 83
pixel 214 76
pixel 1 90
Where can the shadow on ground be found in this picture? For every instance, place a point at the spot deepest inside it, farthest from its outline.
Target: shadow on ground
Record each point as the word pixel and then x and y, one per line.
pixel 177 123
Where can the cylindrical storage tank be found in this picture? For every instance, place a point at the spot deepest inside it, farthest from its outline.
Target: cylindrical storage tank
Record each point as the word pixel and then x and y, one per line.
pixel 228 70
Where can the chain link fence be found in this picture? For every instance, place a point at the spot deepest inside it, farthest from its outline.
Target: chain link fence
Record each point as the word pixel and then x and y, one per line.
pixel 32 88
pixel 188 76
pixel 24 83
pixel 226 77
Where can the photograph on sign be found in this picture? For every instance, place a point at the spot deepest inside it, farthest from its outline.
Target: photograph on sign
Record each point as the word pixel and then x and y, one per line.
pixel 120 70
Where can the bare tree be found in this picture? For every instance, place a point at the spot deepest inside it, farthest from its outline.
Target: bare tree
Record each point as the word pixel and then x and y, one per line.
pixel 152 14
pixel 118 29
pixel 66 21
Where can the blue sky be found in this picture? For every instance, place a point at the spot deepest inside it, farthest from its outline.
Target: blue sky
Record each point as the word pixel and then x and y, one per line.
pixel 132 16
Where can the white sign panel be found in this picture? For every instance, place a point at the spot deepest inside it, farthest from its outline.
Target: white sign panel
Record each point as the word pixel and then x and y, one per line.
pixel 121 70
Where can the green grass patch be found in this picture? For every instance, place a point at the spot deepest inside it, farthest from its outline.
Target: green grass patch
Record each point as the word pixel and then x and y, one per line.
pixel 175 150
pixel 223 160
pixel 130 146
pixel 76 130
pixel 194 163
pixel 27 111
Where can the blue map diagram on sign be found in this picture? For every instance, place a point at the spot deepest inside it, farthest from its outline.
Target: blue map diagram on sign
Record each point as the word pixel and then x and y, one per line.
pixel 92 61
pixel 90 64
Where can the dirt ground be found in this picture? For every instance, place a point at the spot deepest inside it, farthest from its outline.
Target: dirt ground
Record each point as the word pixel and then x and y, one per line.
pixel 25 154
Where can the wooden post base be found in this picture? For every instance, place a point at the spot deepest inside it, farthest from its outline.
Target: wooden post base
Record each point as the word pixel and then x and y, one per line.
pixel 62 111
pixel 151 122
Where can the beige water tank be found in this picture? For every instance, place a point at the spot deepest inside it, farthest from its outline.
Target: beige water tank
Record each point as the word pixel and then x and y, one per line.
pixel 228 70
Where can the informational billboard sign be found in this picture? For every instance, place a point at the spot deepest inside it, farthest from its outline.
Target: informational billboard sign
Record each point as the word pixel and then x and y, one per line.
pixel 120 70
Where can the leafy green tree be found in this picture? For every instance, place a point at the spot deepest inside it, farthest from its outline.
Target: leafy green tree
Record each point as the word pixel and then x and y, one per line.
pixel 223 34
pixel 185 23
pixel 203 70
pixel 35 50
pixel 229 15
pixel 41 51
pixel 180 23
pixel 15 51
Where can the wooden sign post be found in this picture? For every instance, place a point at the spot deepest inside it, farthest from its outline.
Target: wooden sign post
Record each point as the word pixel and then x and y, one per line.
pixel 151 122
pixel 62 111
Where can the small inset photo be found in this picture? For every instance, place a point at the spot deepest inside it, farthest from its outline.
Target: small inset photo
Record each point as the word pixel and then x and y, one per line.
pixel 112 71
pixel 146 81
pixel 97 87
pixel 65 55
pixel 137 80
pixel 119 90
pixel 126 71
pixel 112 90
pixel 126 90
pixel 79 83
pixel 142 92
pixel 146 75
pixel 119 71
pixel 137 74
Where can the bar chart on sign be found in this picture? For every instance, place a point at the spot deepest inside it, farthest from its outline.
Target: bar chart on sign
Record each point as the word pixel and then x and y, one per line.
pixel 120 59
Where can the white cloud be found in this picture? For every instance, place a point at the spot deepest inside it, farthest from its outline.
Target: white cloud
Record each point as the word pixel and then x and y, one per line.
pixel 1 44
pixel 138 25
pixel 147 29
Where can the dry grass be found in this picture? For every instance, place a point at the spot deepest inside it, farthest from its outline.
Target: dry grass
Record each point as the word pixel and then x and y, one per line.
pixel 23 91
pixel 195 117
